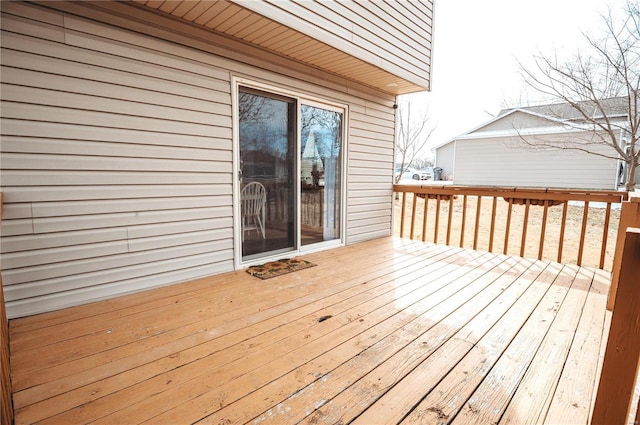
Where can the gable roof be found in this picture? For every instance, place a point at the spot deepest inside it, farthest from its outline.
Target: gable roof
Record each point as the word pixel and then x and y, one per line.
pixel 503 114
pixel 615 106
pixel 555 113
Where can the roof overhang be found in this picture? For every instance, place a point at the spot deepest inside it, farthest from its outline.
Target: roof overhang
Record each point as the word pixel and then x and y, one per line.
pixel 242 22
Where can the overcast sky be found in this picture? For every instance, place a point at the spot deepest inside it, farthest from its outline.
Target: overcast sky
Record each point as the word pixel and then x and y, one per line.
pixel 477 45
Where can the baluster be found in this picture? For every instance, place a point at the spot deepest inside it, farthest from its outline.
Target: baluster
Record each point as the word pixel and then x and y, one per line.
pixel 493 222
pixel 506 231
pixel 605 232
pixel 464 218
pixel 563 225
pixel 525 223
pixel 424 218
pixel 477 225
pixel 413 214
pixel 450 217
pixel 583 232
pixel 435 230
pixel 543 229
pixel 404 203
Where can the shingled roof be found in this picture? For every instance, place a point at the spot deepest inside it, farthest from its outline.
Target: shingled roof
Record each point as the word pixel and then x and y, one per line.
pixel 615 106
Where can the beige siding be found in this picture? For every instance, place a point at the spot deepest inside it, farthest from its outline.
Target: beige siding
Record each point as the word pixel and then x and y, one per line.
pixel 358 41
pixel 505 162
pixel 117 156
pixel 395 36
pixel 370 173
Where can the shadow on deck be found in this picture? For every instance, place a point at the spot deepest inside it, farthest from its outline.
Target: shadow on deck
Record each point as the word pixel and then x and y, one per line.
pixel 412 333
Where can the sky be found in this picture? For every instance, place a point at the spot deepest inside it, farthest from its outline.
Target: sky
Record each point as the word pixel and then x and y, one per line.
pixel 477 46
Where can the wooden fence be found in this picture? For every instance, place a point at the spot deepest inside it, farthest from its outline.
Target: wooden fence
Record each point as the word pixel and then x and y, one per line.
pixel 514 220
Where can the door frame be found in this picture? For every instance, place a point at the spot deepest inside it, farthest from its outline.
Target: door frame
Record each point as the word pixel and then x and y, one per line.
pixel 299 97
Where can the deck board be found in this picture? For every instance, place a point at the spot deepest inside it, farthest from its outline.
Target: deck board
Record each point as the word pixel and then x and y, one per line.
pixel 477 313
pixel 261 367
pixel 533 393
pixel 398 352
pixel 492 334
pixel 574 396
pixel 417 333
pixel 489 400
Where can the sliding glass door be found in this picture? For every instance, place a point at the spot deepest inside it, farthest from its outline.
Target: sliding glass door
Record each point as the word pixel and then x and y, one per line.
pixel 320 174
pixel 267 168
pixel 280 138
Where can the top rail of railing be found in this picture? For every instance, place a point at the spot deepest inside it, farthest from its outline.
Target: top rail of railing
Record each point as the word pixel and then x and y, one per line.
pixel 518 192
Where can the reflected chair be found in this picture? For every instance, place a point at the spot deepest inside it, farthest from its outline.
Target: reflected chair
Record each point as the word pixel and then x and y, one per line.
pixel 253 198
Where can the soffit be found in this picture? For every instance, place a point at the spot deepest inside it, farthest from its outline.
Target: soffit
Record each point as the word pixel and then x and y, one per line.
pixel 233 20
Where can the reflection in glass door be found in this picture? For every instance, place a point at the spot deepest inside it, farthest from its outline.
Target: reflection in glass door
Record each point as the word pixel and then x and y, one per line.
pixel 320 177
pixel 267 167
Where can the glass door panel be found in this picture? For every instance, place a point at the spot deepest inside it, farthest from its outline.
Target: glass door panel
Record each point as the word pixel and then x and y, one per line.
pixel 267 167
pixel 320 174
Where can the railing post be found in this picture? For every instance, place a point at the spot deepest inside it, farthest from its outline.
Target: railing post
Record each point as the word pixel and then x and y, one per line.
pixel 7 405
pixel 621 358
pixel 629 217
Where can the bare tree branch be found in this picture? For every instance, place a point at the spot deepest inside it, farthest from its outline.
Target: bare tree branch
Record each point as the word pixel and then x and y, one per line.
pixel 414 134
pixel 601 85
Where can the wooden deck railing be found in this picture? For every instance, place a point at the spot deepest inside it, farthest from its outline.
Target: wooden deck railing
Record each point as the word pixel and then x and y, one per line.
pixel 526 222
pixel 620 368
pixel 442 212
pixel 629 217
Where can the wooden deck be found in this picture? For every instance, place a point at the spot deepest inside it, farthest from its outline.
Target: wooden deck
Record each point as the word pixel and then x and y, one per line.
pixel 388 331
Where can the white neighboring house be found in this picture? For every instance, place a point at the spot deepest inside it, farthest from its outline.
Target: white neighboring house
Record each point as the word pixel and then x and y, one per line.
pixel 512 150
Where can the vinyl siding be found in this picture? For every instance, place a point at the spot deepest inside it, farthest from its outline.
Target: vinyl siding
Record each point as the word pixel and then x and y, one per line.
pixel 517 120
pixel 369 183
pixel 445 158
pixel 117 155
pixel 499 162
pixel 395 36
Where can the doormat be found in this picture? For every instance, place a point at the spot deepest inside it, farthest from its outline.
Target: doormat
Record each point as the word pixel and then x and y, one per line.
pixel 278 268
